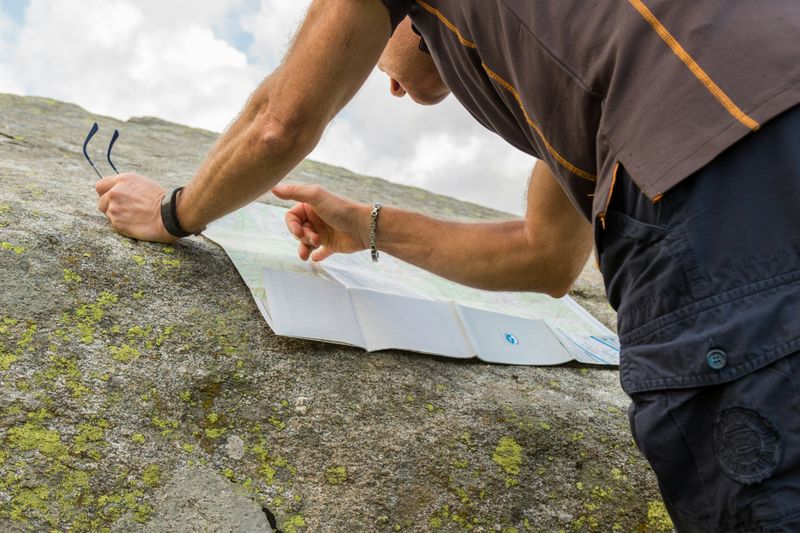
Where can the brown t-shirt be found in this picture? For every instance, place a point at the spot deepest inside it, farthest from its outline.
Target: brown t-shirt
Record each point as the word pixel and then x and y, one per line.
pixel 658 86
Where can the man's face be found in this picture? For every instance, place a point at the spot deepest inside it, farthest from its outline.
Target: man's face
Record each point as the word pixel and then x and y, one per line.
pixel 410 70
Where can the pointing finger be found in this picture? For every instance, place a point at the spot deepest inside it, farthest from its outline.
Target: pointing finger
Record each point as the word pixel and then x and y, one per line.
pixel 299 193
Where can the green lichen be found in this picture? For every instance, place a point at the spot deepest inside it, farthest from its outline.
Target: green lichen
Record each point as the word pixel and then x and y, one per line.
pixel 186 396
pixel 173 263
pixel 138 438
pixel 124 353
pixel 138 295
pixel 151 476
pixel 658 518
pixel 33 436
pixel 214 433
pixel 228 473
pixel 336 475
pixel 87 316
pixel 8 246
pixel 294 522
pixel 168 250
pixel 508 455
pixel 71 276
pixel 7 359
pixel 435 522
pixel 29 499
pixel 166 425
pixel 188 448
pixel 279 424
pixel 139 260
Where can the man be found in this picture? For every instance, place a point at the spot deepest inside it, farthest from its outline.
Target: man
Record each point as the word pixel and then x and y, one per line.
pixel 674 129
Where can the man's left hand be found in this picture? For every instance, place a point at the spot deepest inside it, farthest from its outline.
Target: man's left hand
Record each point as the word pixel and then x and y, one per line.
pixel 133 205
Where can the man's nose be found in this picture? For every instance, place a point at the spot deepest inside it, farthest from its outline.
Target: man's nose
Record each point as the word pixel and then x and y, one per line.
pixel 396 89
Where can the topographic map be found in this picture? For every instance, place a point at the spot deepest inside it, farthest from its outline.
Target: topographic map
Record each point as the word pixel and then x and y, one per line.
pixel 348 299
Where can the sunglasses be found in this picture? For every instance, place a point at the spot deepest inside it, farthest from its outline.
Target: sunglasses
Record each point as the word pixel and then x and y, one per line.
pixel 95 129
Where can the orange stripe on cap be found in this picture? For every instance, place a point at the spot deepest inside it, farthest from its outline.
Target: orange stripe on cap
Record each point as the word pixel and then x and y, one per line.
pixel 438 14
pixel 698 72
pixel 496 77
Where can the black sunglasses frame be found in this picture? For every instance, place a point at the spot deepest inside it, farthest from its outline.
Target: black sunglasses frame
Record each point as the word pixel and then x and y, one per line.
pixel 92 132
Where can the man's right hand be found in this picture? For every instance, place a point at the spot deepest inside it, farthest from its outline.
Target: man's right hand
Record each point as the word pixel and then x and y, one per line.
pixel 323 222
pixel 132 204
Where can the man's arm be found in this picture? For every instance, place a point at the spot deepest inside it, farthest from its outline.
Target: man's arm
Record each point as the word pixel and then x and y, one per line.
pixel 543 253
pixel 337 46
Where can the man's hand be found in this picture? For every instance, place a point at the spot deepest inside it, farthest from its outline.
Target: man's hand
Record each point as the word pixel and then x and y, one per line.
pixel 323 222
pixel 133 205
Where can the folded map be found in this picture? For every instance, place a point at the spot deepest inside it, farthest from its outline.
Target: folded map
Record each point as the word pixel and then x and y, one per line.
pixel 348 299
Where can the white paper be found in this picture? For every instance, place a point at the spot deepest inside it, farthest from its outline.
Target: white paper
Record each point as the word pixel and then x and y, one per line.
pixel 390 304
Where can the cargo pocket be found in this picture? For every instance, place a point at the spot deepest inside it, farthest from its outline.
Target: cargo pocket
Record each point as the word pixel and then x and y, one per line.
pixel 627 248
pixel 663 443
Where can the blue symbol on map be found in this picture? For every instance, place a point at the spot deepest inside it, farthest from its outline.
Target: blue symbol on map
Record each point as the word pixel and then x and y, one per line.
pixel 512 339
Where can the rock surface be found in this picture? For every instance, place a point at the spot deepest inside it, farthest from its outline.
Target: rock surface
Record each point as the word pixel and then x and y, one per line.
pixel 126 367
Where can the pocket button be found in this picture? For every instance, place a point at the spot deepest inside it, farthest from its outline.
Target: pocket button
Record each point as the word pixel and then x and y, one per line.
pixel 716 359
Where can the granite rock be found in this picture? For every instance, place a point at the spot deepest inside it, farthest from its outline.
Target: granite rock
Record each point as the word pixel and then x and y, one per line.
pixel 124 365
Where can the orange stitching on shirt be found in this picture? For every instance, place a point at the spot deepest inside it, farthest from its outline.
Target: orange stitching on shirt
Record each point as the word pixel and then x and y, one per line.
pixel 496 77
pixel 430 9
pixel 698 72
pixel 602 216
pixel 510 88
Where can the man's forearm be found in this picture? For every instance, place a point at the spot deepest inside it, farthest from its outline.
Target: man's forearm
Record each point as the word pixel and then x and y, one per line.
pixel 254 154
pixel 491 256
pixel 336 48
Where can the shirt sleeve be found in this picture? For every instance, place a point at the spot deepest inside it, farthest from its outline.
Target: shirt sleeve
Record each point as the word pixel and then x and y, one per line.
pixel 398 9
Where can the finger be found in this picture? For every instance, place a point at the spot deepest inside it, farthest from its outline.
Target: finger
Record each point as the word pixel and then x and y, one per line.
pixel 303 251
pixel 104 185
pixel 294 219
pixel 102 203
pixel 322 254
pixel 310 236
pixel 300 193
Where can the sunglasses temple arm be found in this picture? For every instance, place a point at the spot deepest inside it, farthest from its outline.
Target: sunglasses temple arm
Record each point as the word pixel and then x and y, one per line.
pixel 94 129
pixel 110 146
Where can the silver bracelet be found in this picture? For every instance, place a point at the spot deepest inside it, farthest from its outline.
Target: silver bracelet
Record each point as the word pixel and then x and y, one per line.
pixel 373 228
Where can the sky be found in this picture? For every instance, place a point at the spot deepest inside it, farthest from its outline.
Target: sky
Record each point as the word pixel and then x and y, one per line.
pixel 195 62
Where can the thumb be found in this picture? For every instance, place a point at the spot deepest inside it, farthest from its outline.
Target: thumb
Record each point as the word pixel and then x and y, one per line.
pixel 322 253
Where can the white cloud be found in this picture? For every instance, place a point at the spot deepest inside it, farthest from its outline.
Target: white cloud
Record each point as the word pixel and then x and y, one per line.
pixel 123 58
pixel 171 59
pixel 272 28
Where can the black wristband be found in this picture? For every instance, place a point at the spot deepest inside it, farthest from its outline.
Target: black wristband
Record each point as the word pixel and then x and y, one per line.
pixel 169 214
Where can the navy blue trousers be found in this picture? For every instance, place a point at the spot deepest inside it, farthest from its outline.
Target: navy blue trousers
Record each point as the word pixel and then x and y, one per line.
pixel 706 283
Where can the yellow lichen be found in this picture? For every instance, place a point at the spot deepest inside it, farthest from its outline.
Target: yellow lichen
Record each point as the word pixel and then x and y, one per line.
pixel 151 476
pixel 291 525
pixel 214 433
pixel 8 246
pixel 508 455
pixel 138 438
pixel 336 475
pixel 69 276
pixel 658 518
pixel 124 353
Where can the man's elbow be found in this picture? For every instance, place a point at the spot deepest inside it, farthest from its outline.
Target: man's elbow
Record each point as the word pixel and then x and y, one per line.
pixel 557 275
pixel 296 137
pixel 560 287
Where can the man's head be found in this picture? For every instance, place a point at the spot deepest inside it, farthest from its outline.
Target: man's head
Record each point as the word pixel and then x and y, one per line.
pixel 411 71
